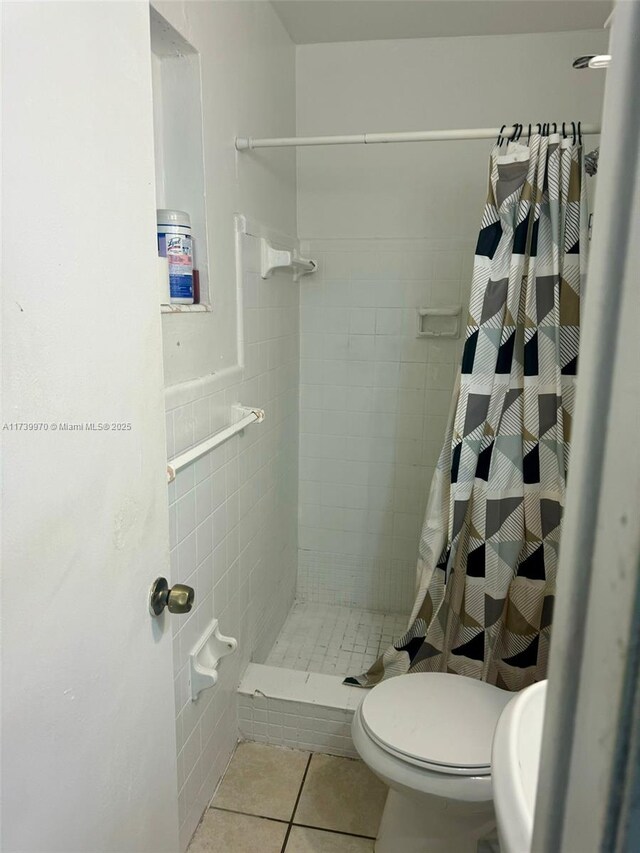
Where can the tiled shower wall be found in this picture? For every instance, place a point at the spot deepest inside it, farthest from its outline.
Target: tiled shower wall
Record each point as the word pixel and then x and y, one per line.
pixel 233 523
pixel 373 407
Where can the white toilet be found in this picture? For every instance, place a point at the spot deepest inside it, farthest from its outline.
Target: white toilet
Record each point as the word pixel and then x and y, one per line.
pixel 428 736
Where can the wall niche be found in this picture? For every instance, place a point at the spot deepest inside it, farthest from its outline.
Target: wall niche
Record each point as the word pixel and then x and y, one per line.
pixel 178 140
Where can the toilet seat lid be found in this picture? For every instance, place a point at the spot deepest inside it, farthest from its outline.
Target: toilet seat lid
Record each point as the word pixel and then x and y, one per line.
pixel 437 719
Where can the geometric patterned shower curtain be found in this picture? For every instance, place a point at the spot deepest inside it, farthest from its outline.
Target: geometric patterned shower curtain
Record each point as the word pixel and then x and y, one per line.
pixel 488 552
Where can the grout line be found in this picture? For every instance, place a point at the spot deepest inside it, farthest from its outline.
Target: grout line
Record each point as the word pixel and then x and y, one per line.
pixel 295 807
pixel 335 831
pixel 224 773
pixel 290 823
pixel 250 814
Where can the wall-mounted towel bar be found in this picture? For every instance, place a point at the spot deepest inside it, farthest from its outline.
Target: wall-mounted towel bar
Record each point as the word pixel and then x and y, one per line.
pixel 274 259
pixel 250 416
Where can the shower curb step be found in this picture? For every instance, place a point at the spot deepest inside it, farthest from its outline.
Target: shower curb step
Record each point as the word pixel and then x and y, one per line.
pixel 300 710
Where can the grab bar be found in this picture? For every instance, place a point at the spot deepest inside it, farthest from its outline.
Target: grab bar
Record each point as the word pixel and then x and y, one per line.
pixel 176 464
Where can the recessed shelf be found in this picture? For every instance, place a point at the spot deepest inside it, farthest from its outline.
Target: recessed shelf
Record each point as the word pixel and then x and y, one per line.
pixel 184 309
pixel 178 140
pixel 439 322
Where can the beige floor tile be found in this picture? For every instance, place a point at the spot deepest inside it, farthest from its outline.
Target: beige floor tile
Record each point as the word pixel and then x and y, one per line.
pixel 341 794
pixel 303 840
pixel 262 780
pixel 228 832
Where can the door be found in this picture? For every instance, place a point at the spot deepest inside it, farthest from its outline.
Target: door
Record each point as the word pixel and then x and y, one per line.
pixel 88 739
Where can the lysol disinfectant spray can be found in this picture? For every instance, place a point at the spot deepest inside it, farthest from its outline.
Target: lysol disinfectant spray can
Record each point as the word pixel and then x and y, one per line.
pixel 175 243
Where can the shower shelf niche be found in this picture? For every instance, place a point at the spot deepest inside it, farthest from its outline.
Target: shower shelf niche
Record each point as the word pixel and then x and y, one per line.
pixel 439 322
pixel 205 657
pixel 178 142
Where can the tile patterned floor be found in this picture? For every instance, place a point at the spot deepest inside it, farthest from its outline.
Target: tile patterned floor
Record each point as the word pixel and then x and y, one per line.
pixel 334 640
pixel 286 801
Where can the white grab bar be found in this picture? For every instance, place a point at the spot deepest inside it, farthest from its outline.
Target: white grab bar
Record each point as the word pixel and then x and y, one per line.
pixel 251 416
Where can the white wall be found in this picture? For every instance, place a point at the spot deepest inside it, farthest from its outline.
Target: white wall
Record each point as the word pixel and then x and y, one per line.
pixel 248 87
pixel 88 751
pixel 434 189
pixel 233 515
pixel 394 228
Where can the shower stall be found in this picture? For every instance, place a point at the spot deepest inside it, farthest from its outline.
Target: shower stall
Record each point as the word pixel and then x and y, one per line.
pixel 380 345
pixel 375 389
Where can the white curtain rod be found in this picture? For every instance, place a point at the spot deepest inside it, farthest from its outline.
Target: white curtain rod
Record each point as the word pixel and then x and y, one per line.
pixel 247 143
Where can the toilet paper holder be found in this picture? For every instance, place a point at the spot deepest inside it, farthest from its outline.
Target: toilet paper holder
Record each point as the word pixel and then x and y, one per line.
pixel 205 657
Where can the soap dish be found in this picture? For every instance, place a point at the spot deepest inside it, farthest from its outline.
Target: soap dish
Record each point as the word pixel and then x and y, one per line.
pixel 439 322
pixel 205 657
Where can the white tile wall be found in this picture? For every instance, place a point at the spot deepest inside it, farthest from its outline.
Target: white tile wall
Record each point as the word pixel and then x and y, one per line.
pixel 299 709
pixel 373 405
pixel 233 524
pixel 298 725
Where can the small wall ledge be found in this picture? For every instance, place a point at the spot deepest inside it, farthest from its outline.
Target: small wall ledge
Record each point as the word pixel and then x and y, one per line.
pixel 184 309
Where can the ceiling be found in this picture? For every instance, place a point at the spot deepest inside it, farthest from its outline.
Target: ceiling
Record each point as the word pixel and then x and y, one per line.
pixel 313 21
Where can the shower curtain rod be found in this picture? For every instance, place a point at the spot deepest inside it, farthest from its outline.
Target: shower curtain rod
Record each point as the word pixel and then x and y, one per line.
pixel 247 143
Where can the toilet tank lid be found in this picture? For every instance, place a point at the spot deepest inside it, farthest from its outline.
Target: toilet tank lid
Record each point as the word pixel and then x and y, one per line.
pixel 436 718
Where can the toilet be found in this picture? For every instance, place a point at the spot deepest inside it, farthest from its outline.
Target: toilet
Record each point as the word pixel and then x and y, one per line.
pixel 428 736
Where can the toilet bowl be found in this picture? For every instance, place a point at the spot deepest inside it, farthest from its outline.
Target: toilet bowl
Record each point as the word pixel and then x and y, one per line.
pixel 428 736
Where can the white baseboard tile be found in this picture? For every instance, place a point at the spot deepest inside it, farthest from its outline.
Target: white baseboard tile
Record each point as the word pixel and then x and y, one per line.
pixel 297 709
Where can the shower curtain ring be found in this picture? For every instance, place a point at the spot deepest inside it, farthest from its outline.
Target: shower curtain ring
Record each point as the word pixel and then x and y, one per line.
pixel 499 139
pixel 520 129
pixel 579 133
pixel 555 128
pixel 573 129
pixel 529 135
pixel 564 133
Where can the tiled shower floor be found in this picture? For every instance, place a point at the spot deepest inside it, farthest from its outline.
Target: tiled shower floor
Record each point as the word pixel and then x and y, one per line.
pixel 334 640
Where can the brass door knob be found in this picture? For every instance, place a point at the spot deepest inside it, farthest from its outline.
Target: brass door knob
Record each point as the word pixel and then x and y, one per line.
pixel 178 599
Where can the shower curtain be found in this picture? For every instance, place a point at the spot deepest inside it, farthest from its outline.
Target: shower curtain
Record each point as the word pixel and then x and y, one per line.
pixel 488 551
